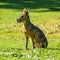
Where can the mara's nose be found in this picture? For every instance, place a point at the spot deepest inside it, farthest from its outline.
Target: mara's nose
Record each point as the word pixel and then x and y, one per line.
pixel 17 20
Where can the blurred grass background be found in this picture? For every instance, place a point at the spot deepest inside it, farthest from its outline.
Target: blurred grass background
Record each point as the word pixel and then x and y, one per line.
pixel 45 14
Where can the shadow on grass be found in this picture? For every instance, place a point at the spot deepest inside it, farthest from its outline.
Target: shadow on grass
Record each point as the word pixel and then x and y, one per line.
pixel 53 5
pixel 53 48
pixel 20 49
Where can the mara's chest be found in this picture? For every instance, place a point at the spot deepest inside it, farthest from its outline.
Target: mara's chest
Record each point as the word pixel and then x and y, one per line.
pixel 28 31
pixel 24 29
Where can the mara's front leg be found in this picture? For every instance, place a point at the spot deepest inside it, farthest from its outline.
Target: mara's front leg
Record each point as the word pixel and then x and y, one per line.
pixel 33 43
pixel 27 42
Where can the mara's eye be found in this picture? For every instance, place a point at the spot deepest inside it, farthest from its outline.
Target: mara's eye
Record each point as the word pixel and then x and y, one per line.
pixel 21 16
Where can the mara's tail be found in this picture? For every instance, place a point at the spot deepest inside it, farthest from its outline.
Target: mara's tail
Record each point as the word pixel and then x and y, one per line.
pixel 45 44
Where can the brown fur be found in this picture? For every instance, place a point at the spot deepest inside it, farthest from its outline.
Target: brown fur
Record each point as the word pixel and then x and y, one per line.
pixel 38 38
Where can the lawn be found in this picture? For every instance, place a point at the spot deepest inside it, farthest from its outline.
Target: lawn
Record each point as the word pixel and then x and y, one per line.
pixel 44 14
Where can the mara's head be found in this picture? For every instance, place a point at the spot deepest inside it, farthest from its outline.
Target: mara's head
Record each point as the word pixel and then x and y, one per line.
pixel 24 16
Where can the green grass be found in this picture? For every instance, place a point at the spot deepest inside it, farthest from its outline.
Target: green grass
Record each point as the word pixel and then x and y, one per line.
pixel 12 39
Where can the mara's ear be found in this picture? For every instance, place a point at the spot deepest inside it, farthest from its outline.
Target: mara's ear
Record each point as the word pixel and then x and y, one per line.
pixel 25 10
